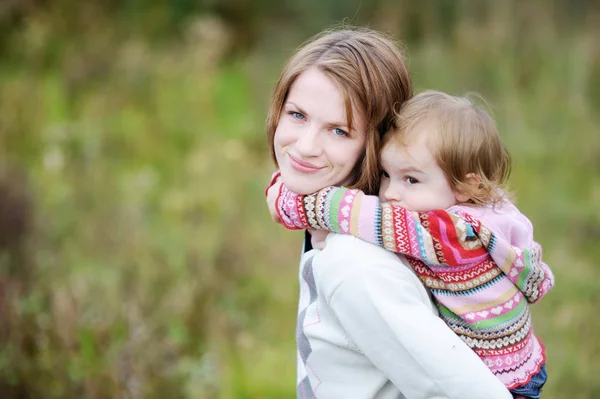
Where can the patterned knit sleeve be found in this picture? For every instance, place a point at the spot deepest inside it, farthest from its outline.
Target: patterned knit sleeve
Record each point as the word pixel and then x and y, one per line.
pixel 437 238
pixel 523 266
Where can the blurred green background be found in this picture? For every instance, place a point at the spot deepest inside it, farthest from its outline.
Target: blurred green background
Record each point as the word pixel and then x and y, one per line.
pixel 137 256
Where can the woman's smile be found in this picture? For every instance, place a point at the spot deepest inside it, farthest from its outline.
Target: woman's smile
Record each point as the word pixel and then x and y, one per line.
pixel 303 166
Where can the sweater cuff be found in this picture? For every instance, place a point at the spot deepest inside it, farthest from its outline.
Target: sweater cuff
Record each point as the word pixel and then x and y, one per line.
pixel 274 177
pixel 290 209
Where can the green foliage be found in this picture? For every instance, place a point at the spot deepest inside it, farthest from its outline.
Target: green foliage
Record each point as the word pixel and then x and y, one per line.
pixel 141 260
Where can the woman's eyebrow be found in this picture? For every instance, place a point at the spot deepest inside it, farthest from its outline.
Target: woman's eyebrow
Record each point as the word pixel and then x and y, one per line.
pixel 338 124
pixel 296 106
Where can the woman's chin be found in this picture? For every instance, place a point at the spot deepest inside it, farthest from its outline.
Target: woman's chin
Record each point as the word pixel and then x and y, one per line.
pixel 300 187
pixel 302 184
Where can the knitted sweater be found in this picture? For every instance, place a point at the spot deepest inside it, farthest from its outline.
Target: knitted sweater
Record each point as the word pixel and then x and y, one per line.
pixel 481 280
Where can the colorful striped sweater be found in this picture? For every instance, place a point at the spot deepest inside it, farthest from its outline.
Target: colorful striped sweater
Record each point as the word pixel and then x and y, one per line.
pixel 480 278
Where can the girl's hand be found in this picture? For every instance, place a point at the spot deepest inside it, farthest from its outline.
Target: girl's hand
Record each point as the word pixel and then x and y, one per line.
pixel 317 238
pixel 272 194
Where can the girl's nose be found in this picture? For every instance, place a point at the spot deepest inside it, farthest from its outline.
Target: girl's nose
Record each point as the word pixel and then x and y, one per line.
pixel 392 193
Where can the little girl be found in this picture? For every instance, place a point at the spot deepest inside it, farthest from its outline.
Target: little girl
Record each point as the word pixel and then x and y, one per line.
pixel 443 203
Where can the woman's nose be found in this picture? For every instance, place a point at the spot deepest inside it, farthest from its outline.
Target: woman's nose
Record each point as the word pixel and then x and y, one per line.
pixel 308 144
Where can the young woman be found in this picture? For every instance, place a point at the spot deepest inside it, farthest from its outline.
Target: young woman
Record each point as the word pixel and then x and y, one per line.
pixel 367 327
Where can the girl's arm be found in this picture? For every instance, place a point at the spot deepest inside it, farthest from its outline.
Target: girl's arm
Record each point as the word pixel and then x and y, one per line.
pixel 438 238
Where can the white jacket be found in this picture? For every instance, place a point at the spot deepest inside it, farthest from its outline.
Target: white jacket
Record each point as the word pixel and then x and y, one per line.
pixel 367 329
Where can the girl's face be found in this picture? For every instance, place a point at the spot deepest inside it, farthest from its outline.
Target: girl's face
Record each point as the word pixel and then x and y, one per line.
pixel 313 145
pixel 411 176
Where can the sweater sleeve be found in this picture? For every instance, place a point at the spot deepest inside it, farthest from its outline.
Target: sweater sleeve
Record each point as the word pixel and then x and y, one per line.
pixel 522 265
pixel 384 315
pixel 438 238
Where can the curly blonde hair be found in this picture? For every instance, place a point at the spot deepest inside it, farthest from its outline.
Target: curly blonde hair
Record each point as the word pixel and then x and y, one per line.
pixel 464 140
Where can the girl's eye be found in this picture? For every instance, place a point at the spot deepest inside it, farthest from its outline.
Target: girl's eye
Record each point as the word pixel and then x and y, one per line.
pixel 340 132
pixel 296 115
pixel 385 174
pixel 411 180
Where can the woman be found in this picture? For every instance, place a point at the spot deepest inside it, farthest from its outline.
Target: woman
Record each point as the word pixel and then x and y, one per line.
pixel 366 325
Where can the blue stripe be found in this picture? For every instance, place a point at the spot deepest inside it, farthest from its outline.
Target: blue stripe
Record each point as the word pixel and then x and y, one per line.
pixel 378 223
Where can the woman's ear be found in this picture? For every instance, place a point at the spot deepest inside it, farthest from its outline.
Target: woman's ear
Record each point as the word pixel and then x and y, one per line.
pixel 472 182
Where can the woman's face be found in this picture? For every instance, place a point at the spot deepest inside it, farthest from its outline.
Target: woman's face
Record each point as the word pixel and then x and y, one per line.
pixel 313 145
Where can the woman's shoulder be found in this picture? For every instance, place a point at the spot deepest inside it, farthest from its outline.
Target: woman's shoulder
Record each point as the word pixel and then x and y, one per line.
pixel 346 257
pixel 354 251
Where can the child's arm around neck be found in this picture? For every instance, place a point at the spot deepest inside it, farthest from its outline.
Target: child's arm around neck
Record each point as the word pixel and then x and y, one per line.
pixel 438 238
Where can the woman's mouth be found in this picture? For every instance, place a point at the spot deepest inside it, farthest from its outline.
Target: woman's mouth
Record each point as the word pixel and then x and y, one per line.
pixel 303 166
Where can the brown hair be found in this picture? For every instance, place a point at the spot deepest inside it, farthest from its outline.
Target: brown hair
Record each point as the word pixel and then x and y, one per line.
pixel 370 72
pixel 464 141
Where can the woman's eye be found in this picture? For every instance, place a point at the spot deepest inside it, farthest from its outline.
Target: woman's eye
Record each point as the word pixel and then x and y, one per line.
pixel 385 174
pixel 339 132
pixel 296 115
pixel 411 180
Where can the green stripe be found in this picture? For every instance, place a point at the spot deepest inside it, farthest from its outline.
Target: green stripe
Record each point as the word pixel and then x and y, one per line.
pixel 447 313
pixel 483 324
pixel 336 200
pixel 525 272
